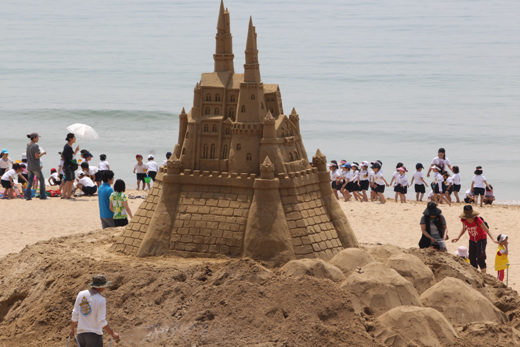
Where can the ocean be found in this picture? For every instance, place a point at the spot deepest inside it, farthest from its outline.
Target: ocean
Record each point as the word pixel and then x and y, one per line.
pixel 370 80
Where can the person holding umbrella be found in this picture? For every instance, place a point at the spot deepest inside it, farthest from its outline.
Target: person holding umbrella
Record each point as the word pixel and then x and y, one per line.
pixel 34 166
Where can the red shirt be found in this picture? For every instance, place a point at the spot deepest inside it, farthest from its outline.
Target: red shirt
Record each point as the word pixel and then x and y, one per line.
pixel 475 232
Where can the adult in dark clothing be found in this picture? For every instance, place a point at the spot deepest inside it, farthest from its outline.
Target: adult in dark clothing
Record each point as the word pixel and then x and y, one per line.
pixel 68 168
pixel 34 167
pixel 433 227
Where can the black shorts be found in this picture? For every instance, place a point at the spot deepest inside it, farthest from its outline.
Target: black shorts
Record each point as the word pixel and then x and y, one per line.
pixel 397 189
pixel 337 185
pixel 152 175
pixel 89 190
pixel 121 222
pixel 402 189
pixel 479 191
pixel 68 174
pixel 456 187
pixel 98 176
pixel 350 187
pixel 364 185
pixel 467 200
pixel 380 188
pixel 140 177
pixel 6 184
pixel 450 189
pixel 420 188
pixel 435 188
pixel 26 176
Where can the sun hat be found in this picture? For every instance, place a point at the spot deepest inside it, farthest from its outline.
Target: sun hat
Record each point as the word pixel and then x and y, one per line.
pixel 469 212
pixel 355 164
pixel 435 167
pixel 432 210
pixel 502 237
pixel 375 165
pixel 331 165
pixel 150 156
pixel 99 281
pixel 365 163
pixel 462 251
pixel 402 168
pixel 342 161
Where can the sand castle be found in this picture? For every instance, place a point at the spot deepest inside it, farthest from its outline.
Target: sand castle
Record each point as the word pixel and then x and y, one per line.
pixel 239 182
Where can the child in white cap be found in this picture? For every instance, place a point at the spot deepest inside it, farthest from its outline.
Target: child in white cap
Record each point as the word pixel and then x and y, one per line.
pixel 364 179
pixel 462 252
pixel 501 259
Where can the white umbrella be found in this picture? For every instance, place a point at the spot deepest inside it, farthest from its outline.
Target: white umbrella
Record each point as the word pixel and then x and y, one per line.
pixel 84 131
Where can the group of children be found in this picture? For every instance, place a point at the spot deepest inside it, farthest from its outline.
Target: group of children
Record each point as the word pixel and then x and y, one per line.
pixel 146 172
pixel 354 180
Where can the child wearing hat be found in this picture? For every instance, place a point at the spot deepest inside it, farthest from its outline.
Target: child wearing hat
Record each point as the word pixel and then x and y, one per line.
pixel 394 179
pixel 402 183
pixel 456 182
pixel 364 179
pixel 356 188
pixel 346 177
pixel 379 182
pixel 140 170
pixel 5 161
pixel 420 183
pixel 151 169
pixel 501 259
pixel 462 252
pixel 335 175
pixel 437 183
pixel 478 185
pixel 433 227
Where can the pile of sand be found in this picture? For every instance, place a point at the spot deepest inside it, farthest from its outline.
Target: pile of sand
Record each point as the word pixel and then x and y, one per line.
pixel 170 301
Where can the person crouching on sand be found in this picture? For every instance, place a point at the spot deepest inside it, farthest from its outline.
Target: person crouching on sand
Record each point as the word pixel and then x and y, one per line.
pixel 433 227
pixel 89 314
pixel 478 233
pixel 7 180
pixel 501 259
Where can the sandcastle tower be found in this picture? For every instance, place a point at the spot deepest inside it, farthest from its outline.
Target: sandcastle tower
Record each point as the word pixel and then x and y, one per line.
pixel 239 182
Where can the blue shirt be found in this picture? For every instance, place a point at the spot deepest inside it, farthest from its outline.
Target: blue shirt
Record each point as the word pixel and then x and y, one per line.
pixel 104 192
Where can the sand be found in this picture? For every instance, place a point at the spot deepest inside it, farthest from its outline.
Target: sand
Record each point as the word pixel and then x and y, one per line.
pixel 171 301
pixel 25 223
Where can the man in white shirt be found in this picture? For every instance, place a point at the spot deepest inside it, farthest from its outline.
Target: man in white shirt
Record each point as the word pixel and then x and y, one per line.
pixel 89 314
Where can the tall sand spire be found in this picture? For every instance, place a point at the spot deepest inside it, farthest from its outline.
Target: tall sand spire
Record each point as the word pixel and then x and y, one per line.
pixel 224 42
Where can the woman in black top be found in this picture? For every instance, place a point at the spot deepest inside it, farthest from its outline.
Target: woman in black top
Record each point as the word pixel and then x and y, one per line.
pixel 433 227
pixel 68 169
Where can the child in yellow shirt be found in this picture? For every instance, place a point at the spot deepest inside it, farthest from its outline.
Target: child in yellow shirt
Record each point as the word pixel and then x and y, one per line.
pixel 501 260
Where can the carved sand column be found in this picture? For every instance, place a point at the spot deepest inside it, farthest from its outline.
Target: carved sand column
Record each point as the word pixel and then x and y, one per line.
pixel 337 216
pixel 158 234
pixel 267 233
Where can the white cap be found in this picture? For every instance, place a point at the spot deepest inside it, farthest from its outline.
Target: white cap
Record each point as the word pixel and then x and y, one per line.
pixel 150 156
pixel 24 155
pixel 365 163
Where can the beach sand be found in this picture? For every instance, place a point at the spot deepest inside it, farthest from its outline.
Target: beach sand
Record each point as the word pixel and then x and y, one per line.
pixel 25 223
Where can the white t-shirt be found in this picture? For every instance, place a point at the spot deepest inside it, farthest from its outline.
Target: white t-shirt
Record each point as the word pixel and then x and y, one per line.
pixel 90 312
pixel 441 163
pixel 140 168
pixel 103 165
pixel 430 194
pixel 396 175
pixel 347 175
pixel 479 181
pixel 379 178
pixel 86 182
pixel 152 166
pixel 371 176
pixel 363 175
pixel 469 193
pixel 4 164
pixel 456 179
pixel 165 162
pixel 335 175
pixel 9 174
pixel 402 180
pixel 418 178
pixel 55 176
pixel 92 170
pixel 60 166
pixel 449 181
pixel 355 176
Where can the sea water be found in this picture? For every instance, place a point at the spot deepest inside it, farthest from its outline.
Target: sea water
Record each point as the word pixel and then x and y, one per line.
pixel 370 80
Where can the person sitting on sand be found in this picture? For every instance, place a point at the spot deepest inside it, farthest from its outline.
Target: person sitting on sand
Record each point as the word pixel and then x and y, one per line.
pixel 85 184
pixel 478 233
pixel 433 227
pixel 489 196
pixel 54 179
pixel 89 314
pixel 7 180
pixel 469 197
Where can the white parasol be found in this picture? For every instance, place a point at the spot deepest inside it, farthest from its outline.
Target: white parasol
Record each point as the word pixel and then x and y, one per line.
pixel 84 131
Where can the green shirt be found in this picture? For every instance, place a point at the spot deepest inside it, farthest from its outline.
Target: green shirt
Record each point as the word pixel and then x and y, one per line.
pixel 117 200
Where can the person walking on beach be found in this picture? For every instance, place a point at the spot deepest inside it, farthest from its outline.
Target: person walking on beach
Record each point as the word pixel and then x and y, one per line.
pixel 104 192
pixel 479 185
pixel 440 161
pixel 140 171
pixel 89 314
pixel 379 182
pixel 34 167
pixel 68 165
pixel 420 183
pixel 478 232
pixel 433 227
